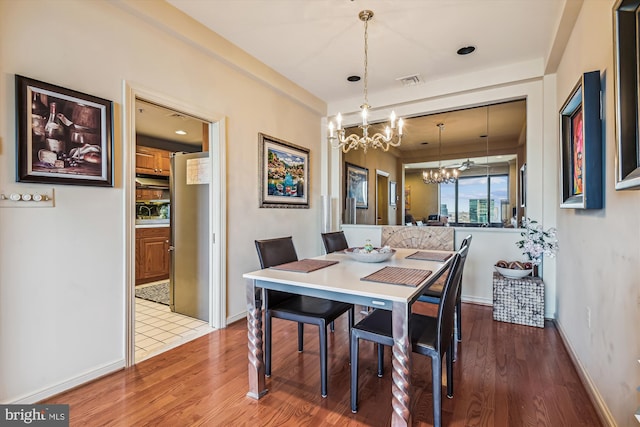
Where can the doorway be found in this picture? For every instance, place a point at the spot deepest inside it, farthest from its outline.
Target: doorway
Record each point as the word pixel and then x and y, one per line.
pixel 183 326
pixel 382 197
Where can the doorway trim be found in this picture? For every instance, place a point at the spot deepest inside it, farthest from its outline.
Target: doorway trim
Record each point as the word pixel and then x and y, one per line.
pixel 217 206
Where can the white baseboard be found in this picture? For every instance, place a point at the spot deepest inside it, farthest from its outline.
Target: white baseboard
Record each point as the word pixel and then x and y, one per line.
pixel 69 384
pixel 601 407
pixel 237 317
pixel 477 300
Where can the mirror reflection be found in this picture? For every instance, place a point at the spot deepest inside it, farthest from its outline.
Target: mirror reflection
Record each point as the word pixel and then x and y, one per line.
pixel 484 148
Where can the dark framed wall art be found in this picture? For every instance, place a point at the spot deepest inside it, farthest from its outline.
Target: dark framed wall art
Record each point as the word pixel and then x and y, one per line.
pixel 581 150
pixel 357 185
pixel 626 25
pixel 284 174
pixel 63 136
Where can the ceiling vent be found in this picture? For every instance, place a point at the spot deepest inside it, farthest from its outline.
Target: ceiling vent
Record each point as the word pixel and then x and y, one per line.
pixel 410 80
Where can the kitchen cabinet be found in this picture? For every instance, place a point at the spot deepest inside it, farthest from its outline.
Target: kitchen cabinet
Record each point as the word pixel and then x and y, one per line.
pixel 152 161
pixel 152 254
pixel 148 194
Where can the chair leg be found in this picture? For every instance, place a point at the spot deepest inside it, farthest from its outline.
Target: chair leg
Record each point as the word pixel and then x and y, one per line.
pixel 436 372
pixel 449 360
pixel 300 336
pixel 354 373
pixel 267 345
pixel 323 359
pixel 380 360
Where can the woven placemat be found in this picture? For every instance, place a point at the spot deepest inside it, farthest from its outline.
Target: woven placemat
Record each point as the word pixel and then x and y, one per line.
pixel 399 276
pixel 305 265
pixel 430 256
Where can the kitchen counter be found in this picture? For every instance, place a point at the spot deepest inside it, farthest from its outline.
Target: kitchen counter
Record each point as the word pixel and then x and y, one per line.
pixel 151 223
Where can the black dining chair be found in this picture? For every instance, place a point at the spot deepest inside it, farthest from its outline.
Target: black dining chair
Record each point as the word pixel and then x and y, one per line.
pixel 430 336
pixel 334 241
pixel 297 308
pixel 432 295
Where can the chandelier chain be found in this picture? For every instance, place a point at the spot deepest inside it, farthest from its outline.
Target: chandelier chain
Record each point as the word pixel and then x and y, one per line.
pixel 366 59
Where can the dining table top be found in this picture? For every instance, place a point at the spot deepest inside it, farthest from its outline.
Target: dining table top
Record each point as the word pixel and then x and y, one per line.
pixel 345 276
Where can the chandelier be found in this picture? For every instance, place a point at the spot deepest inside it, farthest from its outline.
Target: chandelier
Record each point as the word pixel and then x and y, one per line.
pixel 440 175
pixel 389 139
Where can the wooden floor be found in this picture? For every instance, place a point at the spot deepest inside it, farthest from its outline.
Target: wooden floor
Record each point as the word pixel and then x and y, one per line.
pixel 505 375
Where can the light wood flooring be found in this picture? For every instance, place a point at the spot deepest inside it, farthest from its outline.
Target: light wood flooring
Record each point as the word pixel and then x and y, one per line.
pixel 505 375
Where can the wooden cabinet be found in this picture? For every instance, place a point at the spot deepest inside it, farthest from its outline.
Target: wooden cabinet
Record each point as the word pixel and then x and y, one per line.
pixel 152 254
pixel 152 161
pixel 148 194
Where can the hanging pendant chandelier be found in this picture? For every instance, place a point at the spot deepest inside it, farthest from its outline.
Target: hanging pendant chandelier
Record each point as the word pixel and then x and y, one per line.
pixel 440 175
pixel 391 137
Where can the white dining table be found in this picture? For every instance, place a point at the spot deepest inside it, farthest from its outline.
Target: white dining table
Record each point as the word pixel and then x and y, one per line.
pixel 342 282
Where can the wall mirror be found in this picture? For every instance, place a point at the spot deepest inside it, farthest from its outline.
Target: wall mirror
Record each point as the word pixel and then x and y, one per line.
pixel 485 146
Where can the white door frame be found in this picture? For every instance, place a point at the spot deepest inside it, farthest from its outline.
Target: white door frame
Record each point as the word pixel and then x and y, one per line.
pixel 217 207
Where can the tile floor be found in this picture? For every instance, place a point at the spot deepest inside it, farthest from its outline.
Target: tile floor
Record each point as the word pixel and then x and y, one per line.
pixel 158 329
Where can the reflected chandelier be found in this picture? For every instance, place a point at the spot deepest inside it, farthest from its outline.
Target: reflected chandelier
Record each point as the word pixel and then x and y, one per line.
pixel 378 140
pixel 440 175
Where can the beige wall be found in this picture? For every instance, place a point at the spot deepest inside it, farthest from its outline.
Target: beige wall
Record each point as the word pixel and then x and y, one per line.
pixel 62 269
pixel 423 198
pixel 599 259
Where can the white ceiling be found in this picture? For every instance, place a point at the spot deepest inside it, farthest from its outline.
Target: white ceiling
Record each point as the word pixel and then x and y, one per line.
pixel 319 43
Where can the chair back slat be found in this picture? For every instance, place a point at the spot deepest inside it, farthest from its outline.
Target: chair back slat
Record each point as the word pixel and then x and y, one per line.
pixel 272 252
pixel 447 306
pixel 334 241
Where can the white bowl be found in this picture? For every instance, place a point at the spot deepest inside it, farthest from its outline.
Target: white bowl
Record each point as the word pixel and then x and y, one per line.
pixel 369 257
pixel 513 273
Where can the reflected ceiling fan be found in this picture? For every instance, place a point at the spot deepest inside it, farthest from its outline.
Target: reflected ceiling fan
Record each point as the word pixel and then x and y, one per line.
pixel 468 164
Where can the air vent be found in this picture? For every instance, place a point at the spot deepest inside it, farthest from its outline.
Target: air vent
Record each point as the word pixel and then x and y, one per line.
pixel 410 80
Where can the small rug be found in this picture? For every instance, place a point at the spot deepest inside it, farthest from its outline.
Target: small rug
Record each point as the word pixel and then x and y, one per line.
pixel 157 293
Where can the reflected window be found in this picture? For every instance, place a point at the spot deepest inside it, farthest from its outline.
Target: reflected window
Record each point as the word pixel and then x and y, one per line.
pixel 476 201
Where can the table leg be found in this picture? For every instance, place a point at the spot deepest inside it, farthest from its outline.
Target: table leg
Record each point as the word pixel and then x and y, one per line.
pixel 257 387
pixel 400 387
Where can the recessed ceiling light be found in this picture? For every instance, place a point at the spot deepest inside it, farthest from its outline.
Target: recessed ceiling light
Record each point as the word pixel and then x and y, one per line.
pixel 181 132
pixel 353 78
pixel 466 50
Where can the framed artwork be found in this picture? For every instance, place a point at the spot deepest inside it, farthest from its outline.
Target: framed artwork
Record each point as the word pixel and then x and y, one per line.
pixel 284 174
pixel 357 185
pixel 627 92
pixel 582 151
pixel 407 197
pixel 63 136
pixel 393 193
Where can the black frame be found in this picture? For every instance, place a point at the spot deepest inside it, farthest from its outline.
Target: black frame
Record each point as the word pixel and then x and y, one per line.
pixel 353 179
pixel 82 156
pixel 287 198
pixel 627 92
pixel 584 99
